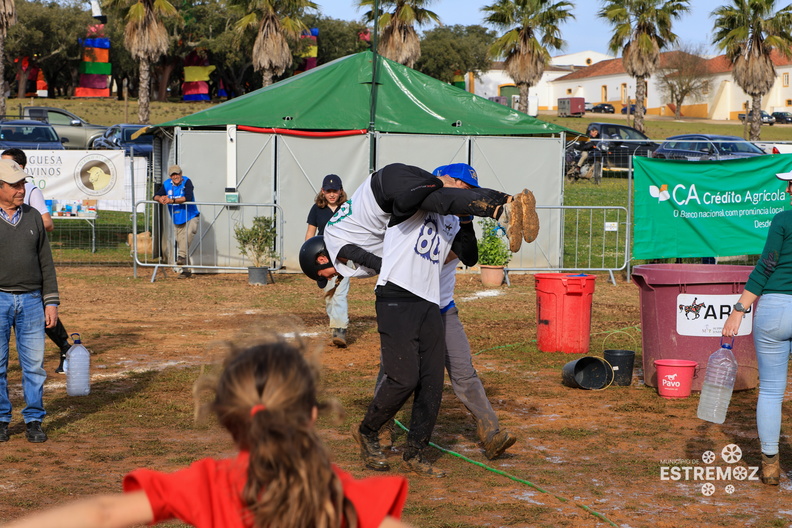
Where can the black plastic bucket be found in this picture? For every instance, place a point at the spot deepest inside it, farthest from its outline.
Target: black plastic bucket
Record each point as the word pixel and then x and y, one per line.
pixel 589 372
pixel 621 362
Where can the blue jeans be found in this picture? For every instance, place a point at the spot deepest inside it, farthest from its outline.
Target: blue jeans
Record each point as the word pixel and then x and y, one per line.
pixel 24 312
pixel 772 331
pixel 337 304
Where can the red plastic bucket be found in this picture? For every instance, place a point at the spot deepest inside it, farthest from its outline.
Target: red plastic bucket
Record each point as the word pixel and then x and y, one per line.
pixel 675 377
pixel 563 312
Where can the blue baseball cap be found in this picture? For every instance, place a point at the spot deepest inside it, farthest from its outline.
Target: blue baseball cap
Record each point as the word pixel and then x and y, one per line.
pixel 459 171
pixel 332 183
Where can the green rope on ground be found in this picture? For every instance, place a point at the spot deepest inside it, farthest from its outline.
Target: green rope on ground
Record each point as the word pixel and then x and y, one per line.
pixel 516 479
pixel 499 347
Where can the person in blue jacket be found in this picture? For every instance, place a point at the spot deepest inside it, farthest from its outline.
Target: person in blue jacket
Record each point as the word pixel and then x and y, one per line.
pixel 174 192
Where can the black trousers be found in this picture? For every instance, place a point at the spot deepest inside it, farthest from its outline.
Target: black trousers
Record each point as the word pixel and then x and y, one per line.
pixel 413 361
pixel 59 336
pixel 403 190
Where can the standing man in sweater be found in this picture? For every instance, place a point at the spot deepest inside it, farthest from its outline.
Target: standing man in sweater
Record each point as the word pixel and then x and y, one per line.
pixel 28 298
pixel 174 192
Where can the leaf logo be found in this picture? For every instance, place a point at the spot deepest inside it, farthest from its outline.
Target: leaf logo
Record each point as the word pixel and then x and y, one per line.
pixel 661 193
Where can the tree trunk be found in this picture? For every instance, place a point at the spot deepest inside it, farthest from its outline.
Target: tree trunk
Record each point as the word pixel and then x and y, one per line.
pixel 143 92
pixel 22 75
pixel 640 102
pixel 523 106
pixel 266 77
pixel 756 117
pixel 165 72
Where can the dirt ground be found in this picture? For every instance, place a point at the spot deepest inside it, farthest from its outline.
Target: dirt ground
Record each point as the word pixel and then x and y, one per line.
pixel 621 456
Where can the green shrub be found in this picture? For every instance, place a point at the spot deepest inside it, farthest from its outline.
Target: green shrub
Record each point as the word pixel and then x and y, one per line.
pixel 493 250
pixel 257 242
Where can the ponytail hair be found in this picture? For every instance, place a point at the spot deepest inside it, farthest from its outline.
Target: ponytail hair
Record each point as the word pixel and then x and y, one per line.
pixel 266 397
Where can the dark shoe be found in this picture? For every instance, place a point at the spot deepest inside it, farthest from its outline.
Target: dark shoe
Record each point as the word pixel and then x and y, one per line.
pixel 420 465
pixel 771 470
pixel 339 337
pixel 181 261
pixel 185 274
pixel 34 432
pixel 4 432
pixel 370 451
pixel 60 369
pixel 387 435
pixel 500 442
pixel 530 220
pixel 511 221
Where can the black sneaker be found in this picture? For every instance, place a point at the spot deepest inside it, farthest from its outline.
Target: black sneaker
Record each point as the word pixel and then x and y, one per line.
pixel 500 442
pixel 34 433
pixel 420 465
pixel 370 451
pixel 4 432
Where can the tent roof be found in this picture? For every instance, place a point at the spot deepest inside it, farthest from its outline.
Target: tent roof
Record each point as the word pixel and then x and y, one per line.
pixel 336 96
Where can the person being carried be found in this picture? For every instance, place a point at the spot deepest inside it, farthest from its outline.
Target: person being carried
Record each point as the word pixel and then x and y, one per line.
pixel 266 397
pixel 327 201
pixel 174 192
pixel 35 199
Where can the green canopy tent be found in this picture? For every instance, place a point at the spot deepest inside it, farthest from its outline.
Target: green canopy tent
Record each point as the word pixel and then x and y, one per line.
pixel 275 145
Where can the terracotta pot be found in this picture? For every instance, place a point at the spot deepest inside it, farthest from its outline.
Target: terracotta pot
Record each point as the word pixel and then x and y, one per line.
pixel 492 276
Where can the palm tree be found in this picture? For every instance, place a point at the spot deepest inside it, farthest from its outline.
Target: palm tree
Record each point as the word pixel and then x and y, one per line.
pixel 641 29
pixel 399 42
pixel 146 39
pixel 275 21
pixel 748 31
pixel 531 28
pixel 7 19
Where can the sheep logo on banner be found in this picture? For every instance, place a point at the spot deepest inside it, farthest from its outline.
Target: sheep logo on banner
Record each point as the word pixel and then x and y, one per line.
pixel 95 175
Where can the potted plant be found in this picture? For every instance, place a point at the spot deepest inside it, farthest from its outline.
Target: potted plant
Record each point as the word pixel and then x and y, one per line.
pixel 493 252
pixel 258 244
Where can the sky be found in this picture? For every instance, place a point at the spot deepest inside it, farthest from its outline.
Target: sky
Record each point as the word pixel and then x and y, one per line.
pixel 586 32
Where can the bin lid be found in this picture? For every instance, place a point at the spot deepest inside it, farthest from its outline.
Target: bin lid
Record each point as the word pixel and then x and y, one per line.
pixel 693 273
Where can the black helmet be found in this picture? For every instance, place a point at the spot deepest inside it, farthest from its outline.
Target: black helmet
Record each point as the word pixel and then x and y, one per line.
pixel 312 249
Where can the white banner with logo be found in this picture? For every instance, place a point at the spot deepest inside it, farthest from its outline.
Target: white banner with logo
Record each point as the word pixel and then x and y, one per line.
pixel 77 174
pixel 704 315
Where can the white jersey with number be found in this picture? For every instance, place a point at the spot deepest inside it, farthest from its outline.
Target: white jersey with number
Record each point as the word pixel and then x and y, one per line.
pixel 359 221
pixel 448 282
pixel 415 251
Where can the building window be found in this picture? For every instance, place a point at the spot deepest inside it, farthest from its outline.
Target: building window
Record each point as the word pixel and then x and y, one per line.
pixel 789 102
pixel 624 94
pixel 569 91
pixel 785 79
pixel 588 62
pixel 705 88
pixel 604 93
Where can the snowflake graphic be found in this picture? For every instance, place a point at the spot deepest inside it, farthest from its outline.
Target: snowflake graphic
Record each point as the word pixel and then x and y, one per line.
pixel 740 473
pixel 729 489
pixel 708 457
pixel 707 489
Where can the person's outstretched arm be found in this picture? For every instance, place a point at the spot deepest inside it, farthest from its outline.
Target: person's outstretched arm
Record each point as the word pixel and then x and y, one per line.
pixel 119 510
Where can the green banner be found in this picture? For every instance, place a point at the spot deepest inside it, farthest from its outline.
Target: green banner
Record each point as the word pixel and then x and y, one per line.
pixel 706 208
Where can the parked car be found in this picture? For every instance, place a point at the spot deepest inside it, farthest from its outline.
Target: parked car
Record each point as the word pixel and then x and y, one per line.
pixel 619 143
pixel 588 106
pixel 76 132
pixel 631 108
pixel 696 147
pixel 120 137
pixel 603 108
pixel 28 135
pixel 782 117
pixel 765 118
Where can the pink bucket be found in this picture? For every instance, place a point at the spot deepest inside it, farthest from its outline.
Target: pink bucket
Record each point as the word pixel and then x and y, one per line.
pixel 674 377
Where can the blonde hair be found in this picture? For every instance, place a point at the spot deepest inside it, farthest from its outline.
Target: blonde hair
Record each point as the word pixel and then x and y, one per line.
pixel 265 397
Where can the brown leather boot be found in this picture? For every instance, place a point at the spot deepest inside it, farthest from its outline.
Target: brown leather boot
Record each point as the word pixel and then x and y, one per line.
pixel 370 450
pixel 771 470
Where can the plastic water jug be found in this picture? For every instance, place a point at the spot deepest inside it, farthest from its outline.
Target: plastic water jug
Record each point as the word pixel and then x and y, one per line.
pixel 718 385
pixel 78 369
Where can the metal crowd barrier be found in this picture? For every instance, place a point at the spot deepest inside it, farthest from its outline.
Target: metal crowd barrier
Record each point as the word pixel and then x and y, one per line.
pixel 214 246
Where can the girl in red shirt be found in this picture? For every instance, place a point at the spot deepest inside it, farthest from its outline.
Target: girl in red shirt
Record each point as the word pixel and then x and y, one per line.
pixel 282 476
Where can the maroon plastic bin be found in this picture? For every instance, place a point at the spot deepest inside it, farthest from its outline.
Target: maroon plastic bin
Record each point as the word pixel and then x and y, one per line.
pixel 661 288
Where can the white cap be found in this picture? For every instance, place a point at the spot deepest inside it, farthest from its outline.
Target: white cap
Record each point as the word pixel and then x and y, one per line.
pixel 786 176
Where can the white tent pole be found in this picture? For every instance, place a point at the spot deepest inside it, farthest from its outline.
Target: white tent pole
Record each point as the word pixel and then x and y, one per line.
pixel 231 158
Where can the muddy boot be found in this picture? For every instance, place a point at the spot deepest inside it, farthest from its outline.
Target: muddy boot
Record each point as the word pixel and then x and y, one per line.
pixel 370 451
pixel 511 221
pixel 387 435
pixel 530 220
pixel 497 444
pixel 60 370
pixel 415 461
pixel 339 337
pixel 771 470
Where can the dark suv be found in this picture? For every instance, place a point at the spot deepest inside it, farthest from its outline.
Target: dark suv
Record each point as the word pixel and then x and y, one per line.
pixel 619 142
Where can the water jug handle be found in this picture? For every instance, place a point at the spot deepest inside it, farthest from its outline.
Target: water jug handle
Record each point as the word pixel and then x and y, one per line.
pixel 75 339
pixel 727 345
